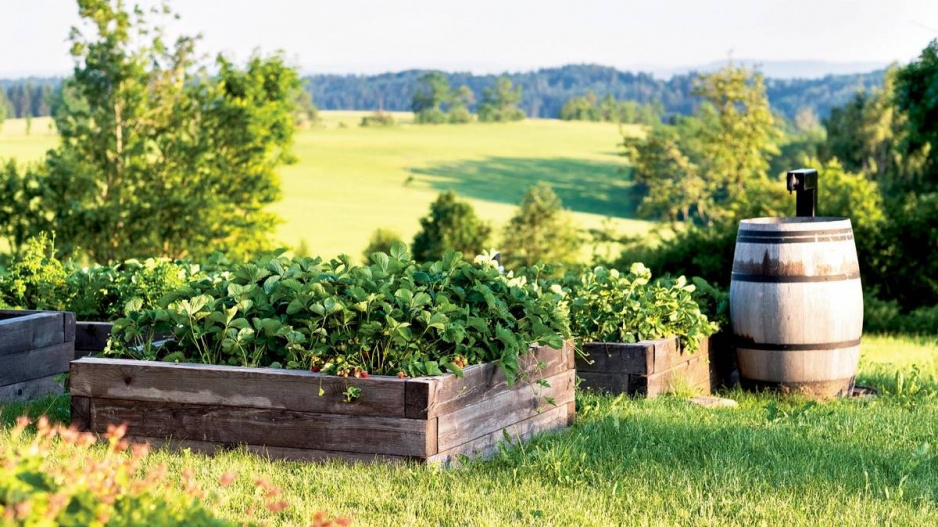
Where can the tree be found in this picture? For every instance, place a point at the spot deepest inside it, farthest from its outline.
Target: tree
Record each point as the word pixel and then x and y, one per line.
pixel 451 224
pixel 500 103
pixel 915 99
pixel 4 104
pixel 459 106
pixel 306 113
pixel 432 92
pixel 581 108
pixel 541 231
pixel 712 165
pixel 158 157
pixel 381 242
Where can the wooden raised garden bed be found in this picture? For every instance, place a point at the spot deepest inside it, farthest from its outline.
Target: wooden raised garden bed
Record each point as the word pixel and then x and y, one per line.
pixel 35 348
pixel 91 337
pixel 650 368
pixel 282 414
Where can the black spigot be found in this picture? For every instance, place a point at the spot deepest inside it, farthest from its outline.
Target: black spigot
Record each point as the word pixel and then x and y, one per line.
pixel 804 183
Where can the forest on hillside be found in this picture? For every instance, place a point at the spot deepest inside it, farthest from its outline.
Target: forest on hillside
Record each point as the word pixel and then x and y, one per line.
pixel 544 91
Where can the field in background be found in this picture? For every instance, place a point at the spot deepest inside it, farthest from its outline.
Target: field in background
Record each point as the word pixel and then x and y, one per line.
pixel 350 180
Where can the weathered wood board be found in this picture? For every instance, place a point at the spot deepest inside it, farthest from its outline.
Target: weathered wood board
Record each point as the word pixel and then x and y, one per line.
pixel 35 348
pixel 648 368
pixel 280 413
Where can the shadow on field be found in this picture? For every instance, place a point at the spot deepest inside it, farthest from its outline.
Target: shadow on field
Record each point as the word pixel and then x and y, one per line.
pixel 596 187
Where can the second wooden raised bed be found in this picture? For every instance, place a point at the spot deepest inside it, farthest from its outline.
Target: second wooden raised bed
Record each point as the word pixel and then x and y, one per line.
pixel 304 415
pixel 35 349
pixel 650 368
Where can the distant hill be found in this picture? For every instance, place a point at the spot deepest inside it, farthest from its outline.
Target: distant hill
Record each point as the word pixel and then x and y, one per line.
pixel 545 90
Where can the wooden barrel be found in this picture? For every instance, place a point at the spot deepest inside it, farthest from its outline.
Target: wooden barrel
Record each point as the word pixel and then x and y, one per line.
pixel 796 305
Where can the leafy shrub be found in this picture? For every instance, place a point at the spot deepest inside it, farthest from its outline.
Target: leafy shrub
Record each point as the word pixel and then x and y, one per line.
pixel 608 306
pixel 381 242
pixel 881 316
pixel 394 316
pixel 541 231
pixel 38 280
pixel 105 486
pixel 452 224
pixel 377 119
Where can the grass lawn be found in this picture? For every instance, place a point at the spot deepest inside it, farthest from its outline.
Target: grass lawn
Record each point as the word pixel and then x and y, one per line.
pixel 350 180
pixel 659 462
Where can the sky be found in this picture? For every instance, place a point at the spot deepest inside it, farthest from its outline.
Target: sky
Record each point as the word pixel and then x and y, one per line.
pixel 489 36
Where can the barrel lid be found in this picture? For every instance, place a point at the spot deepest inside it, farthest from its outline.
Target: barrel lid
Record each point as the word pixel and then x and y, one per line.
pixel 795 224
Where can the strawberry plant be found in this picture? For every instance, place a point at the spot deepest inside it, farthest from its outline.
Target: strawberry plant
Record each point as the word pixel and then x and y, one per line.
pixel 391 317
pixel 609 306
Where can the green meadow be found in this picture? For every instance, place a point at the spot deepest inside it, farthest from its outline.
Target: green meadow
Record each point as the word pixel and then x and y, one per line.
pixel 349 181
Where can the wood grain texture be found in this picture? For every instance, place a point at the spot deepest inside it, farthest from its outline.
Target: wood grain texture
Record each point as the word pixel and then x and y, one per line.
pixel 796 306
pixel 481 382
pixel 613 383
pixel 554 418
pixel 23 391
pixel 31 331
pixel 501 410
pixel 206 384
pixel 36 363
pixel 81 413
pixel 617 357
pixel 268 427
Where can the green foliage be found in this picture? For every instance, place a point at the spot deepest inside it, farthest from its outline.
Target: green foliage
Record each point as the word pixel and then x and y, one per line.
pixel 590 108
pixel 452 224
pixel 608 306
pixel 542 231
pixel 500 103
pixel 460 101
pixel 305 113
pixel 36 488
pixel 432 92
pixel 915 99
pixel 703 167
pixel 131 176
pixel 377 119
pixel 381 242
pixel 38 280
pixel 391 317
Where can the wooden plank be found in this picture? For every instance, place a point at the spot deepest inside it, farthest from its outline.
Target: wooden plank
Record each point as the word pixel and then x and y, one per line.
pixel 36 363
pixel 91 337
pixel 613 383
pixel 27 332
pixel 571 412
pixel 81 413
pixel 691 373
pixel 481 382
pixel 617 357
pixel 269 452
pixel 553 419
pixel 419 396
pixel 667 354
pixel 503 409
pixel 265 388
pixel 23 391
pixel 268 427
pixel 70 325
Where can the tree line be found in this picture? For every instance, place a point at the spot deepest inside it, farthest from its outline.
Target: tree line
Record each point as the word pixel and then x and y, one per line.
pixel 545 91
